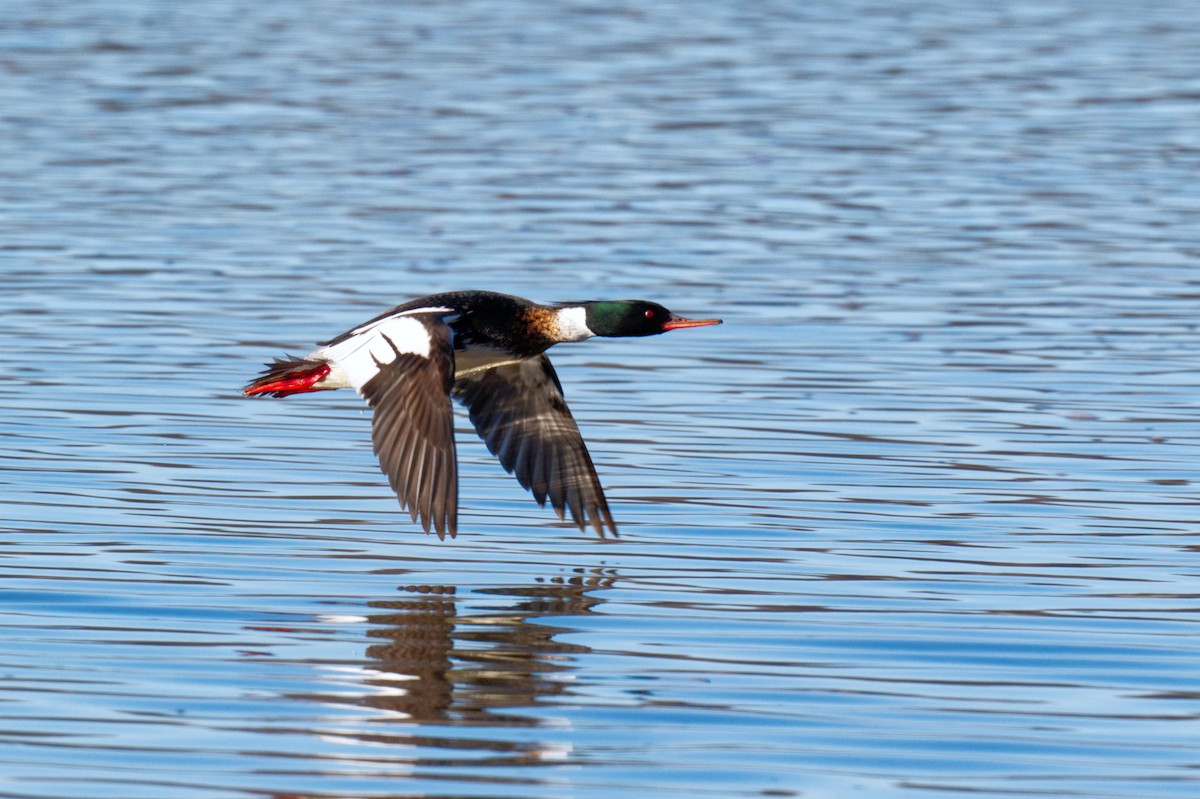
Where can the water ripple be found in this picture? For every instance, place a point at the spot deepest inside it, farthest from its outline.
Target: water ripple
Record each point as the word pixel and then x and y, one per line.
pixel 917 520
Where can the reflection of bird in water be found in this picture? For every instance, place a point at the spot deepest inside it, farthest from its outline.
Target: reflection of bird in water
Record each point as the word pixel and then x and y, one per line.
pixel 420 637
pixel 469 668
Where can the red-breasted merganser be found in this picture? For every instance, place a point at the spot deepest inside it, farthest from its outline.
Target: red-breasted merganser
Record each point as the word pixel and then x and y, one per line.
pixel 487 351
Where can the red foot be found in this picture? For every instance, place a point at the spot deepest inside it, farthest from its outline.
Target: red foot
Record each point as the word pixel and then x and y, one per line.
pixel 292 383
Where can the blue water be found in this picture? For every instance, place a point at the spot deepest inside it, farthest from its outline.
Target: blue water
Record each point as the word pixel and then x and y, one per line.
pixel 919 520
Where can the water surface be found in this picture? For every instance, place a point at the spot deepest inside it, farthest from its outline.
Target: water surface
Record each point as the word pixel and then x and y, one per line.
pixel 918 520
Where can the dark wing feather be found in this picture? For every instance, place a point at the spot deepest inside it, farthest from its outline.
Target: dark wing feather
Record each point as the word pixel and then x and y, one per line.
pixel 413 430
pixel 519 411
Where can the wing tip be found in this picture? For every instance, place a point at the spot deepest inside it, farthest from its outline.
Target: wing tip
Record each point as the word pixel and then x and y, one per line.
pixel 600 523
pixel 598 517
pixel 441 524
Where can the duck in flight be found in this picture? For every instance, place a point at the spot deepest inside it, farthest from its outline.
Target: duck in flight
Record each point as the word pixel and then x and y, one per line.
pixel 488 351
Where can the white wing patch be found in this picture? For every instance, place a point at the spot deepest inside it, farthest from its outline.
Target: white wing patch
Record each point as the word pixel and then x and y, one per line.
pixel 358 357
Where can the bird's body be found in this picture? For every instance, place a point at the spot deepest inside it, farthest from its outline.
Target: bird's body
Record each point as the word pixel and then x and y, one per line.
pixel 486 350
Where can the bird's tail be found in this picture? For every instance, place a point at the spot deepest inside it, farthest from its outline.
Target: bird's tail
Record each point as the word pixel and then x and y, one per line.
pixel 288 375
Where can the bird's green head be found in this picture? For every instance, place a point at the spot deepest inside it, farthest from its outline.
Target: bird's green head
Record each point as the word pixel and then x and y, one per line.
pixel 635 318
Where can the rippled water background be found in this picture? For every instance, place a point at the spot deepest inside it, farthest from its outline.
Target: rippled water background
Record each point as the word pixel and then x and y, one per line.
pixel 919 520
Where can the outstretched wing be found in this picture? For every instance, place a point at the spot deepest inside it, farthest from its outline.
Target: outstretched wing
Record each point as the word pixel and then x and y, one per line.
pixel 404 369
pixel 519 411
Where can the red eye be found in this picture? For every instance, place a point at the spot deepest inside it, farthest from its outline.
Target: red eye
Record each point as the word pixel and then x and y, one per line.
pixel 649 314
